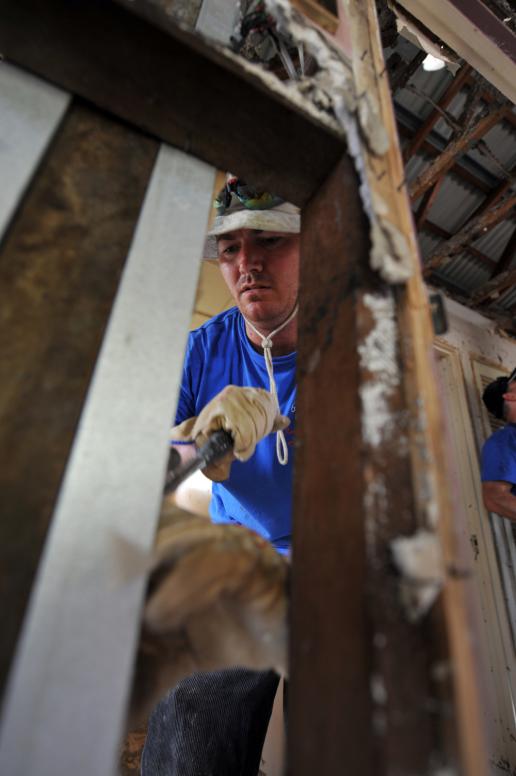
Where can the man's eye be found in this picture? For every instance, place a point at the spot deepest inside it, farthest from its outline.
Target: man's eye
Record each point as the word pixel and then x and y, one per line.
pixel 228 251
pixel 270 242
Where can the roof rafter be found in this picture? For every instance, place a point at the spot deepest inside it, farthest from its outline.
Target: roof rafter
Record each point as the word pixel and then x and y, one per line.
pixel 430 226
pixel 427 202
pixel 453 150
pixel 453 89
pixel 457 169
pixel 492 290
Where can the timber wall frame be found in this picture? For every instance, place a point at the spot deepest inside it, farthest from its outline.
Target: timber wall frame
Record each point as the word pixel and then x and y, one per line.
pixel 363 696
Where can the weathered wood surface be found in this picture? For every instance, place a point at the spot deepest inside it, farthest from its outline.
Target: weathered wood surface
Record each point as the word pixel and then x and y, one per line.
pixel 329 701
pixel 60 264
pixel 171 84
pixel 361 691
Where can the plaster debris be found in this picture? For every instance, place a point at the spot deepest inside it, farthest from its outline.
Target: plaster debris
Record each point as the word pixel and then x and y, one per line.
pixel 332 89
pixel 378 355
pixel 378 690
pixel 329 96
pixel 419 559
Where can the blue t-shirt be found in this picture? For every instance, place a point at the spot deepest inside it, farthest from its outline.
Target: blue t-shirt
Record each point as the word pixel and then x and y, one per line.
pixel 258 493
pixel 499 456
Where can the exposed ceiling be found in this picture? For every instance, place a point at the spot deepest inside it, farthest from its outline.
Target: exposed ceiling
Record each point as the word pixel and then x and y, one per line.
pixel 458 136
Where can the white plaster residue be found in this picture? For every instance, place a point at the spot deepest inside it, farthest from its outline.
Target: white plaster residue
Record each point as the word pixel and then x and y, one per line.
pixel 332 89
pixel 378 690
pixel 378 355
pixel 419 560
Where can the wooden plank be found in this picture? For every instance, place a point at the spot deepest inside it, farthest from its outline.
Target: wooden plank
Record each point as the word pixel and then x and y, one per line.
pixel 30 112
pixel 474 228
pixel 467 27
pixel 59 268
pixel 453 150
pixel 359 668
pixel 69 688
pixel 329 701
pixel 456 729
pixel 318 14
pixel 173 85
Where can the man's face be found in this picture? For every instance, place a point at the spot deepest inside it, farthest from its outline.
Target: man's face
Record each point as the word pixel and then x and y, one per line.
pixel 510 402
pixel 261 270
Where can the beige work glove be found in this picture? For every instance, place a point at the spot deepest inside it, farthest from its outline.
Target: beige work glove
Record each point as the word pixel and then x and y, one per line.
pixel 248 414
pixel 216 598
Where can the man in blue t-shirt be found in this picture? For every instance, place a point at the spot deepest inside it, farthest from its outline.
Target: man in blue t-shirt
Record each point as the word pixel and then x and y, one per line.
pixel 499 451
pixel 239 374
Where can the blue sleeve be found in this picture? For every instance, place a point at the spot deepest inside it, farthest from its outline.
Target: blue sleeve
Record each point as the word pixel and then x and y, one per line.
pixel 498 460
pixel 186 399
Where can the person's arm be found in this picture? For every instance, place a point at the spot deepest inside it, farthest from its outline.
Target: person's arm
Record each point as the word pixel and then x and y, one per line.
pixel 498 498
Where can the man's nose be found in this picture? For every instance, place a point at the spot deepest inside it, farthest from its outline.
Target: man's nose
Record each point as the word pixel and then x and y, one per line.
pixel 250 258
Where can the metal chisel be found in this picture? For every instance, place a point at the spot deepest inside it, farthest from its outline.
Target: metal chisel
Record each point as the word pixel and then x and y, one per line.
pixel 219 443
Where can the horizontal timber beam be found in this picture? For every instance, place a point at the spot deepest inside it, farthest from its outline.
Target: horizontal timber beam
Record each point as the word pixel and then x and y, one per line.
pixel 172 85
pixel 475 34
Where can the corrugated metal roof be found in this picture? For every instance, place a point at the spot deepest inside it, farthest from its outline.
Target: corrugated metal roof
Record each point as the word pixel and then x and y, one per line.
pixel 428 243
pixel 466 272
pixel 494 242
pixel 458 198
pixel 507 299
pixel 465 200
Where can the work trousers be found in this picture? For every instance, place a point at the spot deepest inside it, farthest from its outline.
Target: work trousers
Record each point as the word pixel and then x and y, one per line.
pixel 211 724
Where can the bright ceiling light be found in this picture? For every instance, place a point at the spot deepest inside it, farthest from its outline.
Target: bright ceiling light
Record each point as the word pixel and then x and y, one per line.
pixel 431 63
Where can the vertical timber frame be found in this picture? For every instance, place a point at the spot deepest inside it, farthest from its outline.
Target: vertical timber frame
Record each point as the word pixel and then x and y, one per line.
pixel 362 694
pixel 381 682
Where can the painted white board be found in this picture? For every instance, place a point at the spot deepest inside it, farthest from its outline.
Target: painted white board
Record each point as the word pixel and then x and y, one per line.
pixel 30 112
pixel 68 689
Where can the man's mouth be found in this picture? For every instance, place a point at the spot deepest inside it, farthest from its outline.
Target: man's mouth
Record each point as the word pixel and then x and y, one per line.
pixel 254 287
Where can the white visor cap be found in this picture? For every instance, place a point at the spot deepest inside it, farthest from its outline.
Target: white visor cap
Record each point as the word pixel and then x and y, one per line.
pixel 282 218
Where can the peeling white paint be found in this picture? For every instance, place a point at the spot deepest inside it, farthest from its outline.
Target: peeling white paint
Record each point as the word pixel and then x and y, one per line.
pixel 378 355
pixel 419 560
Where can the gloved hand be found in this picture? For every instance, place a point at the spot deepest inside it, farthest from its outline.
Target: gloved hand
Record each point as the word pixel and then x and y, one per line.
pixel 216 598
pixel 249 414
